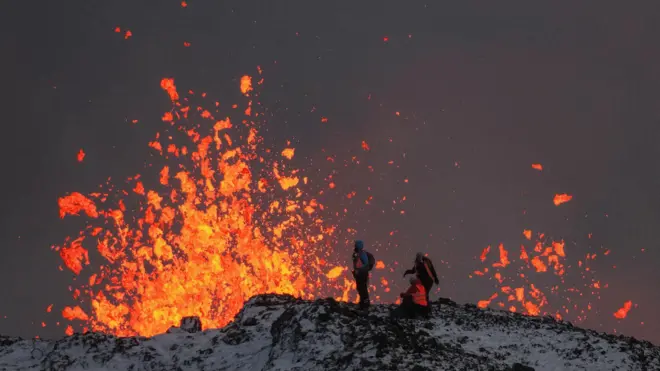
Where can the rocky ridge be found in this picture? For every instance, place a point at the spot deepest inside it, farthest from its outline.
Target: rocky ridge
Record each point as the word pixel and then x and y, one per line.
pixel 278 332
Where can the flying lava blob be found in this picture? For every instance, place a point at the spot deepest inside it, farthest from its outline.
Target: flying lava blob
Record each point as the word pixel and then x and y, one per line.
pixel 533 280
pixel 223 219
pixel 561 199
pixel 623 311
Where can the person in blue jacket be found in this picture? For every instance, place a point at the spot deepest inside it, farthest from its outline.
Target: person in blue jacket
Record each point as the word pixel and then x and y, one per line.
pixel 363 262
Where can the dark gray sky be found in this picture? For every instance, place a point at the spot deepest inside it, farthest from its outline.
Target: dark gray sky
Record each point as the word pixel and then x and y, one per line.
pixel 495 88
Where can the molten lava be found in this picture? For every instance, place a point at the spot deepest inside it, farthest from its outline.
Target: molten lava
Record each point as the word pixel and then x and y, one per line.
pixel 561 199
pixel 623 311
pixel 220 220
pixel 218 217
pixel 519 280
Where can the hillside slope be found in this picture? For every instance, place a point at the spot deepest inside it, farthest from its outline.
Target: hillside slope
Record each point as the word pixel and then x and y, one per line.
pixel 275 332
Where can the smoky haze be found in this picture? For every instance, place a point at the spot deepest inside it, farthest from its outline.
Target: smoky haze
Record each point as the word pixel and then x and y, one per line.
pixel 482 93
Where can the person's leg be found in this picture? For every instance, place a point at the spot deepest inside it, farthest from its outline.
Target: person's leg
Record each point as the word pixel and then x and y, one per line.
pixel 359 283
pixel 358 288
pixel 364 294
pixel 362 283
pixel 428 286
pixel 407 307
pixel 421 310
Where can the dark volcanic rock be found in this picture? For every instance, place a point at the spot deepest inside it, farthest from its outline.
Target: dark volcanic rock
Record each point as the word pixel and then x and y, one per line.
pixel 279 332
pixel 191 324
pixel 519 367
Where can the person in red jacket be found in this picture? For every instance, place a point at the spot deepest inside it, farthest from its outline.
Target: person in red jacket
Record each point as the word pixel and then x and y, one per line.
pixel 414 302
pixel 424 269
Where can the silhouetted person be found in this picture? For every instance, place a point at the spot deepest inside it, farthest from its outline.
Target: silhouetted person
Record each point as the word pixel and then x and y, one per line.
pixel 363 262
pixel 414 302
pixel 424 269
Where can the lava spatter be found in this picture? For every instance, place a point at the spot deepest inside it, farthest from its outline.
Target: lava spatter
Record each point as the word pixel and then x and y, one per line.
pixel 561 199
pixel 534 283
pixel 219 222
pixel 623 311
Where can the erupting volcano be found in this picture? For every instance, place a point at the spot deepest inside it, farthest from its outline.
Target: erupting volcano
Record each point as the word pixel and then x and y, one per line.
pixel 228 219
pixel 221 217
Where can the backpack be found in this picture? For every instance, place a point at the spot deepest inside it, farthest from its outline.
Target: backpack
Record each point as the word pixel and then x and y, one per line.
pixel 372 260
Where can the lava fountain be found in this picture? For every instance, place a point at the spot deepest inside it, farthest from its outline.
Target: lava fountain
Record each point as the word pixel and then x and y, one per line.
pixel 225 219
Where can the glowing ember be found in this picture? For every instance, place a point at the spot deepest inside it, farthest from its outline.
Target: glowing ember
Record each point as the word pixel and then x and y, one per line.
pixel 81 155
pixel 562 198
pixel 365 146
pixel 335 272
pixel 246 84
pixel 623 312
pixel 203 233
pixel 520 290
pixel 288 153
pixel 538 167
pixel 74 313
pixel 76 202
pixel 486 303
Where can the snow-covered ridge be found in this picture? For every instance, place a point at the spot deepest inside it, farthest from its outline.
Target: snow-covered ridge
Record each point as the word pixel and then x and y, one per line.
pixel 276 332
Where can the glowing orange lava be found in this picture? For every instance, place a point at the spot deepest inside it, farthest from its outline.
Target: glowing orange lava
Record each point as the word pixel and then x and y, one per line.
pixel 562 198
pixel 218 221
pixel 365 145
pixel 519 280
pixel 623 311
pixel 218 217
